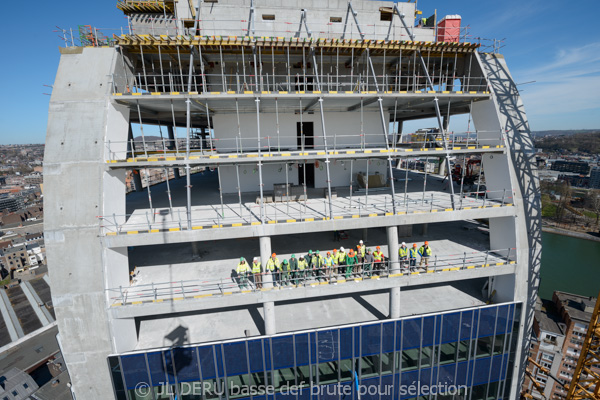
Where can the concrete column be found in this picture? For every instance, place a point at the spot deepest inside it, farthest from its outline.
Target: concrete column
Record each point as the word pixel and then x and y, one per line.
pixel 265 254
pixel 365 235
pixel 269 317
pixel 392 237
pixel 424 229
pixel 395 302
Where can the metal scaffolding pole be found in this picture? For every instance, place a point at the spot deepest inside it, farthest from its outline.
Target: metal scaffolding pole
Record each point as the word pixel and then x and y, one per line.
pixel 240 149
pixel 260 180
pixel 406 182
pixel 385 132
pixel 221 191
pixel 237 172
pixel 169 189
pixel 435 100
pixel 277 122
pixel 324 135
pixel 149 193
pixel 142 128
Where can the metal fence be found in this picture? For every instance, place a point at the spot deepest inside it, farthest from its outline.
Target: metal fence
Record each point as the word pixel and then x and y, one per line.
pixel 287 279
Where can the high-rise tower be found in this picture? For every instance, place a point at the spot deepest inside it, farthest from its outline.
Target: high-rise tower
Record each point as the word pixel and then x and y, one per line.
pixel 256 127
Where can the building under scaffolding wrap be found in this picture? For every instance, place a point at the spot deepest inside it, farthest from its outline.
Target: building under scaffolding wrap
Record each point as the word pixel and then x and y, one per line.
pixel 261 128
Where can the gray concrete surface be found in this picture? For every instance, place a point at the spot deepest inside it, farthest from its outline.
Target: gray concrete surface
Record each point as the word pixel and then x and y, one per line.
pixel 353 308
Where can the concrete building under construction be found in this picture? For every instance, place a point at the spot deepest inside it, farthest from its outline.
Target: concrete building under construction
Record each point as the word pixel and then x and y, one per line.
pixel 278 127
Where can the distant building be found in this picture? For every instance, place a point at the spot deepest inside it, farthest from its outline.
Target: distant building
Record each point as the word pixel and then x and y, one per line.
pixel 595 178
pixel 575 180
pixel 579 167
pixel 34 179
pixel 16 258
pixel 559 330
pixel 10 204
pixel 16 385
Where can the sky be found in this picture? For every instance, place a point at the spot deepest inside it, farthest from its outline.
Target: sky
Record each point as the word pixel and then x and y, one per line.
pixel 554 43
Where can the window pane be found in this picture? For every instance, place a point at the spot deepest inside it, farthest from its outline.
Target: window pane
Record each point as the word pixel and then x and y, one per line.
pixel 346 370
pixel 410 359
pixel 387 363
pixel 236 385
pixel 190 390
pixel 303 375
pixel 166 392
pixel 212 390
pixel 369 366
pixel 463 350
pixel 427 354
pixel 328 372
pixel 484 346
pixel 499 345
pixel 283 377
pixel 134 394
pixel 447 353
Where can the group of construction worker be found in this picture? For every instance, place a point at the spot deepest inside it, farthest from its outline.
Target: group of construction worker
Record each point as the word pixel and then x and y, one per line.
pixel 347 263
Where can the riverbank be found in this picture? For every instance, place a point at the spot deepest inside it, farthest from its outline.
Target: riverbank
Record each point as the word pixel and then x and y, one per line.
pixel 565 232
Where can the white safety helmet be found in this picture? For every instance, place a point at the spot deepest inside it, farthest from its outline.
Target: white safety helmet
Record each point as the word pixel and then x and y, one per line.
pixel 342 249
pixel 361 242
pixel 403 244
pixel 255 258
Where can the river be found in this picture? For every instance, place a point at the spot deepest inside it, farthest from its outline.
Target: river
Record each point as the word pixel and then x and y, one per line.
pixel 569 265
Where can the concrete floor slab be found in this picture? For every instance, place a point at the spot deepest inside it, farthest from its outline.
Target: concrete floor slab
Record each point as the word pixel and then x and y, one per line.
pixel 238 323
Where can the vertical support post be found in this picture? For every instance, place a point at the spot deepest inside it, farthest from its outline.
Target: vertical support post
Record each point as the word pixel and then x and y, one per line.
pixel 188 180
pixel 265 254
pixel 269 317
pixel 260 180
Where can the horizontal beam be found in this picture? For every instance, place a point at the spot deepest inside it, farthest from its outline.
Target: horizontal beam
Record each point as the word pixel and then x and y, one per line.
pixel 309 226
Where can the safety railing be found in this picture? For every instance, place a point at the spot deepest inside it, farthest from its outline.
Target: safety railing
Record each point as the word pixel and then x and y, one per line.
pixel 282 278
pixel 157 25
pixel 147 81
pixel 363 205
pixel 157 150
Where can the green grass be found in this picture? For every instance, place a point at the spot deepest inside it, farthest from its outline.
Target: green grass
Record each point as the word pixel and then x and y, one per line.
pixel 548 208
pixel 589 214
pixel 5 282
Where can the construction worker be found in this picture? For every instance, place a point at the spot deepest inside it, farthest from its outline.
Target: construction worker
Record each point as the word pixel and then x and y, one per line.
pixel 379 259
pixel 309 260
pixel 351 261
pixel 318 265
pixel 335 256
pixel 302 267
pixel 328 263
pixel 293 267
pixel 412 257
pixel 257 272
pixel 425 253
pixel 285 273
pixel 360 254
pixel 403 255
pixel 341 260
pixel 242 270
pixel 273 266
pixel 368 263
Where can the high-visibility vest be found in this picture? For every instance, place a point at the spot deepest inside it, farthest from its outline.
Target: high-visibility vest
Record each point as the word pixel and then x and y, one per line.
pixel 361 250
pixel 242 268
pixel 341 256
pixel 378 255
pixel 256 268
pixel 272 265
pixel 302 265
pixel 412 253
pixel 425 252
pixel 286 267
pixel 403 251
pixel 329 261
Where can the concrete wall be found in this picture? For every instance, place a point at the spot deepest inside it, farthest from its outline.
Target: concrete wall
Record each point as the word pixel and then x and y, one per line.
pixel 343 130
pixel 236 13
pixel 81 119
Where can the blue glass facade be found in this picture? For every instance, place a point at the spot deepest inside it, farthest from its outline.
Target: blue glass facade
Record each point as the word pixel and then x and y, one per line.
pixel 463 354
